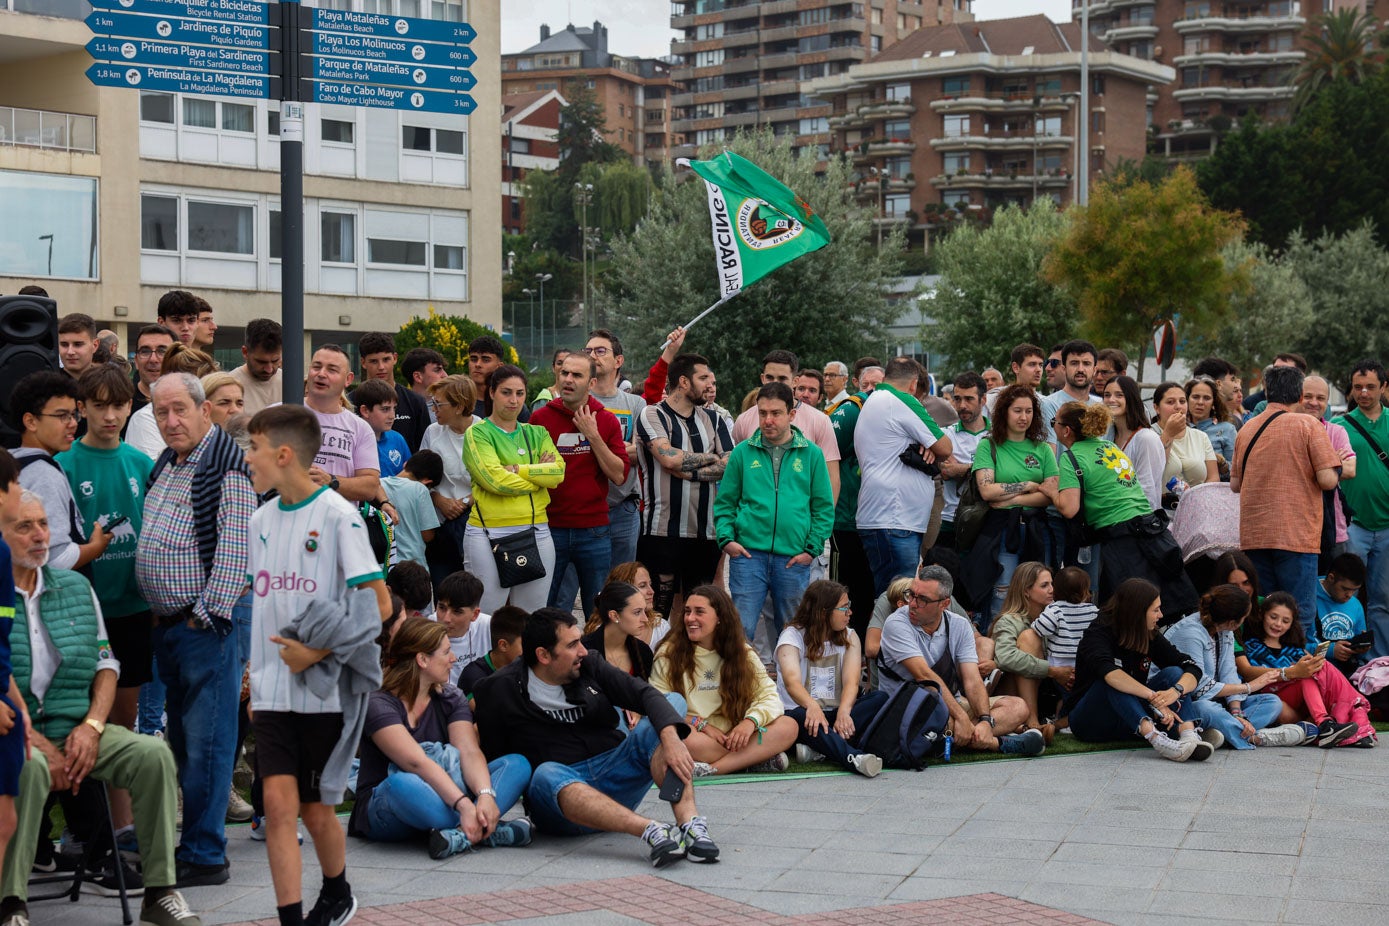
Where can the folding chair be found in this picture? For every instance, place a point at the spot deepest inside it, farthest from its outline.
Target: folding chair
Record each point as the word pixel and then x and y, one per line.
pixel 86 863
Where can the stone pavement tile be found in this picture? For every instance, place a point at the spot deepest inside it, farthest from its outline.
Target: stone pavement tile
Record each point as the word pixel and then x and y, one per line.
pixel 1134 877
pixel 1125 836
pixel 1234 861
pixel 863 861
pixel 587 918
pixel 1287 845
pixel 1218 879
pixel 1182 918
pixel 1033 809
pixel 1167 819
pixel 768 833
pixel 1310 866
pixel 1258 825
pixel 945 863
pixel 1098 854
pixel 922 822
pixel 1369 827
pixel 815 882
pixel 1088 897
pixel 1336 847
pixel 1231 903
pixel 1345 891
pixel 997 847
pixel 860 838
pixel 1321 912
pixel 1009 830
pixel 928 888
pixel 728 874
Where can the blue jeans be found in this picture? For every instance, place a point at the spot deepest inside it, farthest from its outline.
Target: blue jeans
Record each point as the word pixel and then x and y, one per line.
pixel 891 553
pixel 830 744
pixel 202 671
pixel 403 806
pixel 1294 573
pixel 1373 548
pixel 623 773
pixel 1259 709
pixel 151 711
pixel 589 551
pixel 1104 713
pixel 751 578
pixel 624 525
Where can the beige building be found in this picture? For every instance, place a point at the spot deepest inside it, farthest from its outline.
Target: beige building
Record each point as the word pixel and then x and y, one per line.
pixel 114 196
pixel 967 117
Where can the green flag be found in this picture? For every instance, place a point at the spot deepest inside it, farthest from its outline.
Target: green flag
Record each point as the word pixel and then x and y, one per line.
pixel 758 222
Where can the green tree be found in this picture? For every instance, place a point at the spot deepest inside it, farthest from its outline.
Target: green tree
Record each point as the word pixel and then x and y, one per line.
pixel 1267 316
pixel 583 132
pixel 622 193
pixel 991 295
pixel 1340 46
pixel 1347 299
pixel 1139 255
pixel 830 304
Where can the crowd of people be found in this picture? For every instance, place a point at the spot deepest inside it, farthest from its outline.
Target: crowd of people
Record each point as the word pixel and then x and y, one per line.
pixel 379 585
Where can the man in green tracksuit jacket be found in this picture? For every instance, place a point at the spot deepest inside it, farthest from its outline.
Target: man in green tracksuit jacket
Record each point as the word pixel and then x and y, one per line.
pixel 773 512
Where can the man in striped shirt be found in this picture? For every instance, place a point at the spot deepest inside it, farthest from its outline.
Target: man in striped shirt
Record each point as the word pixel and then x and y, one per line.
pixel 191 567
pixel 683 448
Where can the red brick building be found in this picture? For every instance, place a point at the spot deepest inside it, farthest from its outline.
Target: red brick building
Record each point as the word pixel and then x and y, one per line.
pixel 530 132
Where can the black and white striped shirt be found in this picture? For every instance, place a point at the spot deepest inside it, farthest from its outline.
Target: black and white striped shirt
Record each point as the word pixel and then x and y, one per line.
pixel 676 507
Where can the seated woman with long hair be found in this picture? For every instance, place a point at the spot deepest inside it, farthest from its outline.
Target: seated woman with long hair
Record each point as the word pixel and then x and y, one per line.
pixel 614 629
pixel 818 665
pixel 1309 686
pixel 1019 650
pixel 732 705
pixel 422 769
pixel 637 575
pixel 1116 697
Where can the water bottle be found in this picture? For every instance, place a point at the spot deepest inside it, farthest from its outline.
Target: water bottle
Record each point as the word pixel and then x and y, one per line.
pixel 1177 485
pixel 1084 555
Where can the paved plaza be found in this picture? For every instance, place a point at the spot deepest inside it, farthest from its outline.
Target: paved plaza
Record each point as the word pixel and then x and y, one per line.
pixel 1281 836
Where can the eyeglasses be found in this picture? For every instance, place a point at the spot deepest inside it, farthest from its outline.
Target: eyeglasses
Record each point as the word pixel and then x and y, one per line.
pixel 913 598
pixel 64 417
pixel 1053 363
pixel 146 353
pixel 845 608
pixel 597 351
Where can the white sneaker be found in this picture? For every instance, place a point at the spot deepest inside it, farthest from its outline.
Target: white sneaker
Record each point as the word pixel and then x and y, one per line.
pixel 1176 750
pixel 704 770
pixel 1288 734
pixel 1214 737
pixel 238 810
pixel 1201 748
pixel 777 763
pixel 805 754
pixel 867 764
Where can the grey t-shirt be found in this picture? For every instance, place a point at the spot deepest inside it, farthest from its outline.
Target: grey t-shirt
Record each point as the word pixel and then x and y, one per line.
pixel 903 640
pixel 626 407
pixel 46 479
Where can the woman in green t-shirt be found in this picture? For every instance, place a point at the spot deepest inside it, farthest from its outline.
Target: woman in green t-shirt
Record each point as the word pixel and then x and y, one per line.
pixel 1017 475
pixel 1135 539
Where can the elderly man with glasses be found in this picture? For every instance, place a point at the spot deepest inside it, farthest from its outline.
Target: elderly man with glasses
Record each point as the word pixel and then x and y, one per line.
pixel 836 373
pixel 925 641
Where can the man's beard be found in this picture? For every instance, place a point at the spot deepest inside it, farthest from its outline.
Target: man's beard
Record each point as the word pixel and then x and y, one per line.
pixel 25 561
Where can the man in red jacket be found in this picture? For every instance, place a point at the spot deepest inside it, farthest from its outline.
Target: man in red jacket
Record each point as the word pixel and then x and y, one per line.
pixel 589 438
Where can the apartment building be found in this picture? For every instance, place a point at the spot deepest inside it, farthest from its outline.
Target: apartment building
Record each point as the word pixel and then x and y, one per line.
pixel 1233 58
pixel 745 63
pixel 634 93
pixel 117 195
pixel 968 117
pixel 530 141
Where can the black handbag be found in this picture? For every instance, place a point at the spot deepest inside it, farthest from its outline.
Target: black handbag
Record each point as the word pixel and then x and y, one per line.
pixel 971 510
pixel 517 555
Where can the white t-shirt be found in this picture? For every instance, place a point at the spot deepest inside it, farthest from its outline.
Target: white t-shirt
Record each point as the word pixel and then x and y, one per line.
pixel 819 676
pixel 474 644
pixel 348 445
pixel 142 433
pixel 963 444
pixel 295 555
pixel 1187 456
pixel 892 495
pixel 448 444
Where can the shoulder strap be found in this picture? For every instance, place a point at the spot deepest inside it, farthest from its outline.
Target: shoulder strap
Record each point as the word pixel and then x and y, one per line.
pixel 1379 451
pixel 1244 462
pixel 35 458
pixel 1080 479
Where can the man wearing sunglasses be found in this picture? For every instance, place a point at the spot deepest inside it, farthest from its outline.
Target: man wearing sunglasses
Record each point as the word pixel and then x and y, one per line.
pixel 925 641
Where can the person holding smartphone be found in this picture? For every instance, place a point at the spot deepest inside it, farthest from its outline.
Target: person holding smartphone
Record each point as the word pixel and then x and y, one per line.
pixel 1341 616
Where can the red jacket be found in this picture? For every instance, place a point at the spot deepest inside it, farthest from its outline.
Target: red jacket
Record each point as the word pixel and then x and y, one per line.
pixel 582 498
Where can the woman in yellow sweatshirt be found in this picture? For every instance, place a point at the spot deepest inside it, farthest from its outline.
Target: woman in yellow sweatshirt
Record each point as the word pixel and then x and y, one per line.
pixel 731 703
pixel 513 466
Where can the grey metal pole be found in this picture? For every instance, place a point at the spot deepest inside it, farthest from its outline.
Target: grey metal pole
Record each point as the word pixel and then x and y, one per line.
pixel 291 206
pixel 1084 139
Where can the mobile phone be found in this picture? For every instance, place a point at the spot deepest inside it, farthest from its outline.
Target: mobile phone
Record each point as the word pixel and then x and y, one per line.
pixel 114 523
pixel 672 789
pixel 1322 648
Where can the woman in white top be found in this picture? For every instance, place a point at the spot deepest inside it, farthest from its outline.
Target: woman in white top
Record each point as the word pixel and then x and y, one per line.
pixel 1189 451
pixel 453 400
pixel 818 663
pixel 1133 436
pixel 142 432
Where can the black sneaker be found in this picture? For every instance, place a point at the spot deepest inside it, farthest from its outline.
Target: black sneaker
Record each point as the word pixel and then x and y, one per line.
pixel 664 842
pixel 694 836
pixel 190 874
pixel 102 881
pixel 168 909
pixel 1329 732
pixel 332 911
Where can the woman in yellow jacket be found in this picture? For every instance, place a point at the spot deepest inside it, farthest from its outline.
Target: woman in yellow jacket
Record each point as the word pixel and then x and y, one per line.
pixel 513 466
pixel 730 702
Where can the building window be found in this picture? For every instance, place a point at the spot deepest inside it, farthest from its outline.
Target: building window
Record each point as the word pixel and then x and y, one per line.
pixel 389 251
pixel 897 167
pixel 156 107
pixel 956 126
pixel 199 114
pixel 450 257
pixel 520 146
pixel 158 223
pixel 415 138
pixel 896 204
pixel 339 234
pixel 221 228
pixel 898 129
pixel 899 92
pixel 954 86
pixel 955 162
pixel 337 131
pixel 276 239
pixel 238 117
pixel 1049 125
pixel 448 141
pixel 50 228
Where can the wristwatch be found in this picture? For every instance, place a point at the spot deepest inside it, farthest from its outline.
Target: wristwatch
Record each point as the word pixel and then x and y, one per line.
pixel 96 725
pixel 987 718
pixel 1177 687
pixel 333 483
pixel 489 792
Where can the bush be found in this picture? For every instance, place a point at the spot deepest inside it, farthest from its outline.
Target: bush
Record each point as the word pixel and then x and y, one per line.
pixel 450 335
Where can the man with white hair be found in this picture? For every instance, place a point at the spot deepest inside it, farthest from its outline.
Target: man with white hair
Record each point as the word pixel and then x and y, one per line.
pixel 65 672
pixel 191 568
pixel 836 375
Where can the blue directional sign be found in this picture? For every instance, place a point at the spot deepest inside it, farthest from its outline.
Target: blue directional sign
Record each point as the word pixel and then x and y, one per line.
pixel 171 29
pixel 247 12
pixel 383 97
pixel 392 27
pixel 396 49
pixel 388 72
pixel 169 54
pixel 184 80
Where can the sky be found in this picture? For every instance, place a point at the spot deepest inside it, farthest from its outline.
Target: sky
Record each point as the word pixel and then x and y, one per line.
pixel 641 28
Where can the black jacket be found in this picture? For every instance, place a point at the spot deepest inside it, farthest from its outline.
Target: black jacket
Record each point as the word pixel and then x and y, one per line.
pixel 411 416
pixel 1099 653
pixel 637 651
pixel 509 722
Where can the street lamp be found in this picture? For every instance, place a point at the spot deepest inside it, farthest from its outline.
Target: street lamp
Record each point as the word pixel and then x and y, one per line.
pixel 510 262
pixel 583 195
pixel 49 239
pixel 543 278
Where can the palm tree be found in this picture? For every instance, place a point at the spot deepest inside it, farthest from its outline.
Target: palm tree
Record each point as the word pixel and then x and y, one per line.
pixel 1342 45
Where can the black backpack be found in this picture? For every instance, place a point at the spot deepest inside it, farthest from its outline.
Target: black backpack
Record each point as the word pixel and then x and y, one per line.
pixel 909 728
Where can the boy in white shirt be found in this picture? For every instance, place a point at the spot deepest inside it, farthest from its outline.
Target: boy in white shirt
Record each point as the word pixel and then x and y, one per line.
pixel 309 544
pixel 456 606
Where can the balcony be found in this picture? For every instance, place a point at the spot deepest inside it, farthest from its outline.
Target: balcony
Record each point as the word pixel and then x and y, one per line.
pixel 1235 92
pixel 867 189
pixel 1240 25
pixel 1002 141
pixel 886 109
pixel 779 6
pixel 1003 102
pixel 1135 31
pixel 782 60
pixel 849 120
pixel 742 38
pixel 844 53
pixel 733 120
pixel 740 65
pixel 886 146
pixel 781 33
pixel 49 130
pixel 745 92
pixel 1239 59
pixel 776 87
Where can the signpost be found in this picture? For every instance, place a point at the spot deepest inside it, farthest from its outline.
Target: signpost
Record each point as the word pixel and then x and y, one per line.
pixel 282 51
